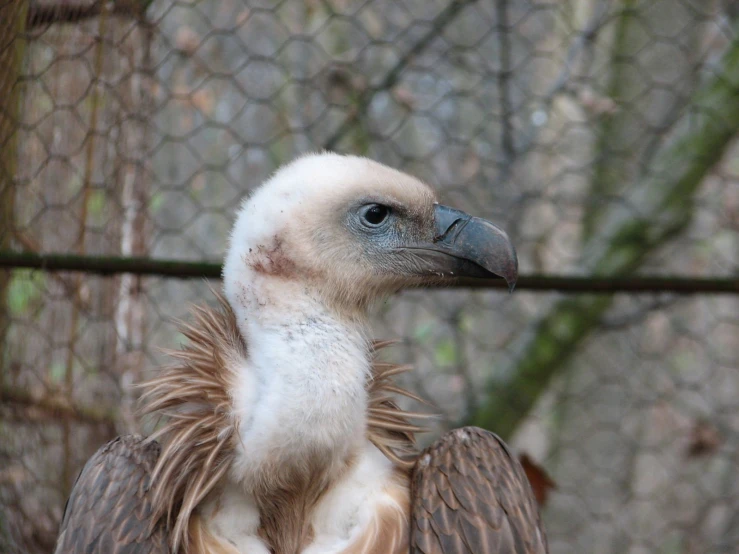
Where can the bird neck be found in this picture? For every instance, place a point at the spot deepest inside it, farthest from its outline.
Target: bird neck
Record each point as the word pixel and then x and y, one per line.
pixel 302 388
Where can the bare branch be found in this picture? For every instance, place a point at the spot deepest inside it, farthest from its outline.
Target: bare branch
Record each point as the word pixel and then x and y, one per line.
pixel 448 15
pixel 581 43
pixel 22 405
pixel 504 77
pixel 40 14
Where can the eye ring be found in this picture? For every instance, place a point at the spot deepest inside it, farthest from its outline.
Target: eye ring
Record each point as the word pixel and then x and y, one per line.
pixel 374 215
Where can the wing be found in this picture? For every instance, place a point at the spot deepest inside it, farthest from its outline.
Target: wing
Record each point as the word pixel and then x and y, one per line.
pixel 108 510
pixel 470 496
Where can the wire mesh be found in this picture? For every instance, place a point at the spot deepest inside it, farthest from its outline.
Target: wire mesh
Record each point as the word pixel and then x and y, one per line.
pixel 599 134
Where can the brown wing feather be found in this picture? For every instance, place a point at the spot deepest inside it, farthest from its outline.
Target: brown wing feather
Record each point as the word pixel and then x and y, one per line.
pixel 109 510
pixel 470 496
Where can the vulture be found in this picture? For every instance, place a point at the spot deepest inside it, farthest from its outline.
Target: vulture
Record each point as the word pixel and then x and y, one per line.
pixel 279 429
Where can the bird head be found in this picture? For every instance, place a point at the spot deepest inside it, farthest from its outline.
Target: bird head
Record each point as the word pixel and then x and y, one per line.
pixel 351 230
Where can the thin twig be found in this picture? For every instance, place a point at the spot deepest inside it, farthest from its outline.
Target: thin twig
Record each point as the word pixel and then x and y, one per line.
pixel 636 316
pixel 585 38
pixel 504 77
pixel 462 362
pixel 365 98
pixel 51 408
pixel 81 237
pixel 58 12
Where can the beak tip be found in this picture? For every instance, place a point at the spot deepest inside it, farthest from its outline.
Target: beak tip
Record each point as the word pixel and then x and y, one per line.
pixel 483 249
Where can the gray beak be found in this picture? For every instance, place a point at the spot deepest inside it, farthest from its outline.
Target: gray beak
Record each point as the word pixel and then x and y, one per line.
pixel 466 246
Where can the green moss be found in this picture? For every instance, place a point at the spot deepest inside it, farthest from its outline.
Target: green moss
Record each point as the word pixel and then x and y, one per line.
pixel 445 353
pixel 156 201
pixel 422 332
pixel 96 203
pixel 25 290
pixel 57 372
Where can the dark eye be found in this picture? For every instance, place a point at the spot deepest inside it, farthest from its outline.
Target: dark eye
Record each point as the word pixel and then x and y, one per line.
pixel 374 215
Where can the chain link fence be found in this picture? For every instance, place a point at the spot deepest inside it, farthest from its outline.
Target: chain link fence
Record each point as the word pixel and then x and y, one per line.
pixel 600 134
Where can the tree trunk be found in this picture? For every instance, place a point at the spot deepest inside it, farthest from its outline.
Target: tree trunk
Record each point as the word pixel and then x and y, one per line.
pixel 130 313
pixel 12 25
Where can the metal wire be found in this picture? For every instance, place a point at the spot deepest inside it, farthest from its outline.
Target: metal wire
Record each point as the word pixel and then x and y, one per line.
pixel 601 135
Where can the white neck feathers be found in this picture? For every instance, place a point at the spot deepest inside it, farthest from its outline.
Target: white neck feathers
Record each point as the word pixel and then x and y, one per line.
pixel 302 388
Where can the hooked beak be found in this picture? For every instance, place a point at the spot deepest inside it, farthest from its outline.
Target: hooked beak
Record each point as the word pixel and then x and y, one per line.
pixel 466 246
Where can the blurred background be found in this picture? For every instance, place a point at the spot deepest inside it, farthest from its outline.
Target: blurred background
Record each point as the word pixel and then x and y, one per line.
pixel 600 134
